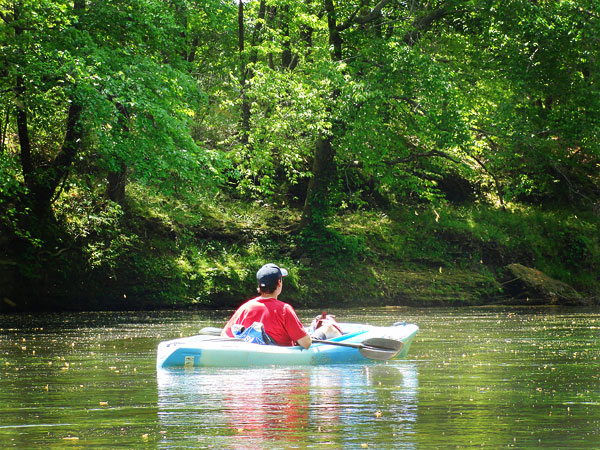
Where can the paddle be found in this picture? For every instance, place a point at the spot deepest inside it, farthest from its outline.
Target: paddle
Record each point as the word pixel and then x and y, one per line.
pixel 374 348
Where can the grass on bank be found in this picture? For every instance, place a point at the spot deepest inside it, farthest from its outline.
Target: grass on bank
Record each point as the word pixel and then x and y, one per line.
pixel 207 254
pixel 162 252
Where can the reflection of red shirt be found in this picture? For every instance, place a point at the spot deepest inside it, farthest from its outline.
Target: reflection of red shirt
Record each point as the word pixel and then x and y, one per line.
pixel 279 319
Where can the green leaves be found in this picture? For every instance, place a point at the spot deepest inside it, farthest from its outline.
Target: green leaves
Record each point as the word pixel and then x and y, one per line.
pixel 504 94
pixel 120 61
pixel 540 119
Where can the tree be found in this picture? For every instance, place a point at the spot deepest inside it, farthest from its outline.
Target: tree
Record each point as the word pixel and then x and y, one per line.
pixel 374 46
pixel 534 119
pixel 353 76
pixel 103 83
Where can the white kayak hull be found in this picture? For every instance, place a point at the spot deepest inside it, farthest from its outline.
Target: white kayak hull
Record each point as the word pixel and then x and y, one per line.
pixel 216 351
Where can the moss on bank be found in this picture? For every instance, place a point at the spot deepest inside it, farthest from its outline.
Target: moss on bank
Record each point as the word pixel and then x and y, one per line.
pixel 162 253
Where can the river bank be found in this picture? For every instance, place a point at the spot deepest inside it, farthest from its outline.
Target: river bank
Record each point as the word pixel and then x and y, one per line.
pixel 159 253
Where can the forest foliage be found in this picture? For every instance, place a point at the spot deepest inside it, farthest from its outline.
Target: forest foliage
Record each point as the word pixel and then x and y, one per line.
pixel 308 107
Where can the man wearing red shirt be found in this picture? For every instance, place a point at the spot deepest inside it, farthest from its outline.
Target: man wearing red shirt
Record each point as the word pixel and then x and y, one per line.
pixel 279 319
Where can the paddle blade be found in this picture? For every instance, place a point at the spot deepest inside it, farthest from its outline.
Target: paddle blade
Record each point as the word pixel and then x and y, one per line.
pixel 383 343
pixel 379 354
pixel 380 349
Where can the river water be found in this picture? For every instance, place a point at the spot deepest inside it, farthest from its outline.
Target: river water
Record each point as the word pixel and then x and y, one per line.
pixel 474 378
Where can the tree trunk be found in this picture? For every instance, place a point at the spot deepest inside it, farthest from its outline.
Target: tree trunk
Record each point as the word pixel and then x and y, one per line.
pixel 306 34
pixel 117 180
pixel 245 119
pixel 21 112
pixel 335 39
pixel 4 129
pixel 23 132
pixel 316 205
pixel 286 54
pixel 43 181
pixel 246 71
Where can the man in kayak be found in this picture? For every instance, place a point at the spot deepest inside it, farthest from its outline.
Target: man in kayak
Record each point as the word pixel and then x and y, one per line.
pixel 279 319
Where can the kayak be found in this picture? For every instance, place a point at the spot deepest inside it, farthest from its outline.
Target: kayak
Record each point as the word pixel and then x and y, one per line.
pixel 360 343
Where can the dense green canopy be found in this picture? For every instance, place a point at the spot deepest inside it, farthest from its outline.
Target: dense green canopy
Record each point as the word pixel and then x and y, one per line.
pixel 320 105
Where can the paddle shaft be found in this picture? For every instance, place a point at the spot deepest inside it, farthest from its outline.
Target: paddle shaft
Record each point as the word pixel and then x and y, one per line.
pixel 341 344
pixel 374 348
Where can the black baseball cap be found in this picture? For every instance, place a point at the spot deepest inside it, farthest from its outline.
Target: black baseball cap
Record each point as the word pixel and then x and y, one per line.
pixel 269 274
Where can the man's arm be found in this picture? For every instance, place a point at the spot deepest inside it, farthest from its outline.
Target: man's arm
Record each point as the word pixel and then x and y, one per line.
pixel 227 328
pixel 305 341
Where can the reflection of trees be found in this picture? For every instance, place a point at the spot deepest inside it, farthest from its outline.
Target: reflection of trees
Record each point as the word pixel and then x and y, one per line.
pixel 376 404
pixel 333 406
pixel 515 377
pixel 72 375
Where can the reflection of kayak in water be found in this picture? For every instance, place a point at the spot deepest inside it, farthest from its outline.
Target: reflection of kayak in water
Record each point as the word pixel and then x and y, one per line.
pixel 288 407
pixel 364 340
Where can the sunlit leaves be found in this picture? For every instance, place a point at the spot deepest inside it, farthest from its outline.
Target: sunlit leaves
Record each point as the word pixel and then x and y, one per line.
pixel 535 102
pixel 122 62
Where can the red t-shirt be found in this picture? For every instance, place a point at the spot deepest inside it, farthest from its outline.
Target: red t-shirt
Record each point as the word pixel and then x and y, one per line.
pixel 279 319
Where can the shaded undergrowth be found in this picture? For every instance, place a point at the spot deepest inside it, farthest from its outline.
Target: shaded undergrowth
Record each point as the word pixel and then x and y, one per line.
pixel 159 252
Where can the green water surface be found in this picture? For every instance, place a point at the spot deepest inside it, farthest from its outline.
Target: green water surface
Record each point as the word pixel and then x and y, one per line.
pixel 474 378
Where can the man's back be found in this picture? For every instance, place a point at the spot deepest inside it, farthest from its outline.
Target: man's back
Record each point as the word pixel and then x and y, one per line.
pixel 278 318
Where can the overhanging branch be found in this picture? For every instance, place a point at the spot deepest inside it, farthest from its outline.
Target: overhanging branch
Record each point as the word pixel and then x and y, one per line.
pixel 374 14
pixel 348 23
pixel 424 23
